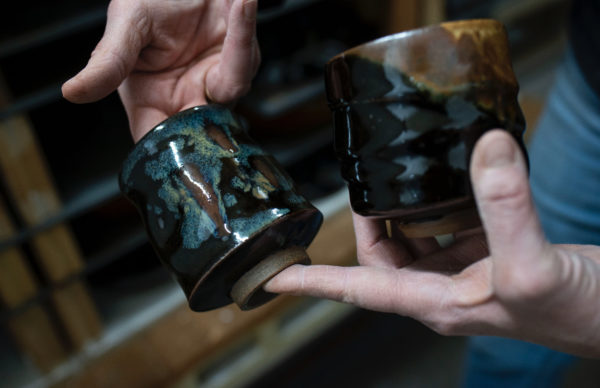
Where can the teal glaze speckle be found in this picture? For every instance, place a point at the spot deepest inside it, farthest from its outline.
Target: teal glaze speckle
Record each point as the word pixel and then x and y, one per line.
pixel 161 168
pixel 256 221
pixel 184 123
pixel 230 199
pixel 204 190
pixel 295 198
pixel 196 147
pixel 197 226
pixel 239 184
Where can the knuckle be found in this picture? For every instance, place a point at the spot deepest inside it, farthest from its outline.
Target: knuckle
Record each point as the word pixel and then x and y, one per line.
pixel 447 318
pixel 522 285
pixel 505 186
pixel 447 325
pixel 240 39
pixel 363 253
pixel 233 92
pixel 117 62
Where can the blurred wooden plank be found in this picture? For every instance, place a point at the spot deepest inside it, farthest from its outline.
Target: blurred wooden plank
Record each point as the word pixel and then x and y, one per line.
pixel 532 107
pixel 37 337
pixel 335 244
pixel 32 190
pixel 17 283
pixel 58 252
pixel 409 14
pixel 433 12
pixel 176 344
pixel 403 15
pixel 77 311
pixel 32 329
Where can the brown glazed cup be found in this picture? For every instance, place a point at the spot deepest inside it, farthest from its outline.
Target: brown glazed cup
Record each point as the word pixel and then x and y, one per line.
pixel 408 109
pixel 223 215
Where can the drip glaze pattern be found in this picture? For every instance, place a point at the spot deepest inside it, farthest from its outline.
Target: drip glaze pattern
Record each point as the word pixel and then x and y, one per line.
pixel 408 110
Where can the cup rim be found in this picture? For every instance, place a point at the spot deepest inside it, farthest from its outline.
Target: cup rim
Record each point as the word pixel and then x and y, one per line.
pixel 412 32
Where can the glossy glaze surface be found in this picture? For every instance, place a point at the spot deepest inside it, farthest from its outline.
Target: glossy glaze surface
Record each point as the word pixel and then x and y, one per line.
pixel 408 110
pixel 214 204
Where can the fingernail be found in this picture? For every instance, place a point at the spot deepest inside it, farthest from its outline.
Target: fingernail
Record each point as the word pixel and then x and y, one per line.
pixel 500 153
pixel 250 9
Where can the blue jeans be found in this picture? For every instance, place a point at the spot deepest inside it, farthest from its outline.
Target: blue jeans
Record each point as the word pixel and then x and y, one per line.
pixel 565 181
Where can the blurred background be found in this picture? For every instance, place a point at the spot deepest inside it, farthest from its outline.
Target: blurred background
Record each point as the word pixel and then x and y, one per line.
pixel 85 301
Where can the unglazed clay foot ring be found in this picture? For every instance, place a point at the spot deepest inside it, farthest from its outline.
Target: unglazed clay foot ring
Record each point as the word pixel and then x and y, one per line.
pixel 450 223
pixel 248 293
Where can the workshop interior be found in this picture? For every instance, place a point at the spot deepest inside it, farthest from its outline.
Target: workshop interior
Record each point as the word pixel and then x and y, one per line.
pixel 84 300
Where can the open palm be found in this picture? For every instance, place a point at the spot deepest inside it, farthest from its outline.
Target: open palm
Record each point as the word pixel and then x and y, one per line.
pixel 165 56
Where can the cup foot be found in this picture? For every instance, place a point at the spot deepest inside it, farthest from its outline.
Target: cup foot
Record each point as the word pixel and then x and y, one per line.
pixel 450 223
pixel 248 293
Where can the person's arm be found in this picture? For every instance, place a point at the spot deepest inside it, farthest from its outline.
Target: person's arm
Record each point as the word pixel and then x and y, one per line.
pixel 525 288
pixel 168 55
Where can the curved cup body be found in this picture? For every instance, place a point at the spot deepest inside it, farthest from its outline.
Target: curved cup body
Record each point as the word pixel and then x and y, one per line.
pixel 213 202
pixel 408 110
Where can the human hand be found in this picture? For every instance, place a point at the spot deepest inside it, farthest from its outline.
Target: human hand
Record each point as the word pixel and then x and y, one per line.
pixel 526 288
pixel 165 56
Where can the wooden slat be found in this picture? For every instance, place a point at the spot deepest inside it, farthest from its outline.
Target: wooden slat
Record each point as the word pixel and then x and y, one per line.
pixel 408 14
pixel 58 252
pixel 32 190
pixel 78 313
pixel 32 329
pixel 17 283
pixel 532 107
pixel 403 15
pixel 37 337
pixel 179 342
pixel 433 12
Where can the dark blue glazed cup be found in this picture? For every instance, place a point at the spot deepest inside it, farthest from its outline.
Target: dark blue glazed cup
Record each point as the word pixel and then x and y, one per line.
pixel 222 215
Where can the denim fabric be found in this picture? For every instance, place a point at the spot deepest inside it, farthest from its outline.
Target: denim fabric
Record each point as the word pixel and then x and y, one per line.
pixel 565 181
pixel 565 160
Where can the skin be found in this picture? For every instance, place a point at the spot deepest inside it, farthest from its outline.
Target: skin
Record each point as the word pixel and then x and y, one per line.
pixel 165 56
pixel 505 279
pixel 524 287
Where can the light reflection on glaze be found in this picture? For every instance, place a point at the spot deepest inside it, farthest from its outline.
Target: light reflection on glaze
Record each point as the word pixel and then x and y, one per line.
pixel 189 174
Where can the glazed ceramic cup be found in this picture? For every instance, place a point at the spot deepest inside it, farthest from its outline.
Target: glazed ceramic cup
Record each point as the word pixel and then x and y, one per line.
pixel 408 110
pixel 222 215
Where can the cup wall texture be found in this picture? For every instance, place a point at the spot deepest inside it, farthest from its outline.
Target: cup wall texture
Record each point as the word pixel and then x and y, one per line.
pixel 408 110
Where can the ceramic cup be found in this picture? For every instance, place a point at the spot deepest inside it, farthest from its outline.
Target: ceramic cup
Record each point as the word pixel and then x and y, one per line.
pixel 408 109
pixel 223 216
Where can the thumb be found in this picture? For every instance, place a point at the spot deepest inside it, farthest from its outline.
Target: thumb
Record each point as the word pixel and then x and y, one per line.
pixel 500 182
pixel 127 29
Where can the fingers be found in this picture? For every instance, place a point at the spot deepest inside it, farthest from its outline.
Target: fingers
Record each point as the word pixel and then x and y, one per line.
pixel 462 253
pixel 500 182
pixel 374 247
pixel 240 57
pixel 127 30
pixel 380 289
pixel 143 119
